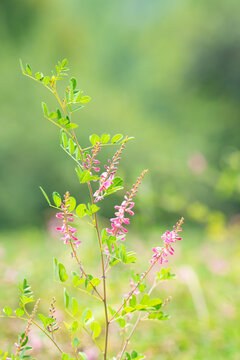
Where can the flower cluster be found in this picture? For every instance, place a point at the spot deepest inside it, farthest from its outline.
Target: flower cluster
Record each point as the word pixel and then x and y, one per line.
pixel 117 223
pixel 52 310
pixel 90 162
pixel 169 237
pixel 106 178
pixel 67 230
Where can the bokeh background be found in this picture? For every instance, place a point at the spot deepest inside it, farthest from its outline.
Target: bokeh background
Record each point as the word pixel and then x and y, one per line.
pixel 167 73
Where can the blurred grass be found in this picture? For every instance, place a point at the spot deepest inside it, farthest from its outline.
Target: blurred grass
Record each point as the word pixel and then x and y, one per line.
pixel 204 311
pixel 168 74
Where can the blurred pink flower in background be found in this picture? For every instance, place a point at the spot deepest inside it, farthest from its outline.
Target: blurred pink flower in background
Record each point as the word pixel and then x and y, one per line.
pixel 197 163
pixel 92 354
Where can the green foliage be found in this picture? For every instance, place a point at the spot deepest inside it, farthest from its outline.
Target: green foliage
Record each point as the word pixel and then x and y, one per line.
pixel 133 355
pixel 26 295
pixel 95 328
pixel 7 310
pixel 46 321
pixel 57 199
pixel 62 273
pixel 164 274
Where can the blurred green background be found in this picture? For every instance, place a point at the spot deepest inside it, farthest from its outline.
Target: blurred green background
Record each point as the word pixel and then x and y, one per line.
pixel 167 73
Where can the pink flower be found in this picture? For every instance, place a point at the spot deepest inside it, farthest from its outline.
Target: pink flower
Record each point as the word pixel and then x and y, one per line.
pixel 169 237
pixel 160 253
pixel 90 162
pixel 106 178
pixel 118 223
pixel 67 230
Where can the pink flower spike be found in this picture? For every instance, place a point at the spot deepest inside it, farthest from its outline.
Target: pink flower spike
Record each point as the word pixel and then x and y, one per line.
pixel 169 237
pixel 66 229
pixel 117 228
pixel 59 215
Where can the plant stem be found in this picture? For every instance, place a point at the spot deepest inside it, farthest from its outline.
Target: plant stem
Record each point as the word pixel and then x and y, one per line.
pixel 81 290
pixel 135 325
pixel 104 278
pixel 135 287
pixel 84 273
pixel 54 342
pixel 104 298
pixel 129 336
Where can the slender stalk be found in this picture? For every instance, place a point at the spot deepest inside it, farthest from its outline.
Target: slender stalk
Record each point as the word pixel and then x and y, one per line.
pixel 133 290
pixel 135 325
pixel 104 298
pixel 85 329
pixel 81 290
pixel 129 336
pixel 53 341
pixel 84 273
pixel 104 278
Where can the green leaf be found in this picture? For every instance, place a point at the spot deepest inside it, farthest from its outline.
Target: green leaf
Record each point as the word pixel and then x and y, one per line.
pixel 25 300
pixel 76 108
pixel 105 138
pixel 21 65
pixel 86 176
pixel 117 181
pixel 127 356
pixel 66 298
pixel 86 315
pixel 156 316
pixel 116 138
pixel 45 109
pixel 121 322
pixel 45 320
pixel 7 310
pixel 133 301
pixel 71 126
pixel 128 309
pixel 64 63
pixel 29 71
pixel 134 354
pixel 63 121
pixel 55 264
pixel 19 312
pixel 73 83
pixel 130 257
pixel 145 300
pixel 53 115
pixel 93 208
pixel 74 325
pixel 85 99
pixel 94 139
pixel 78 96
pixel 77 280
pixel 71 146
pixel 72 203
pixel 96 329
pixel 74 306
pixel 46 80
pixel 62 272
pixel 94 283
pixel 154 302
pixel 38 76
pixel 65 357
pixel 64 139
pixel 45 195
pixel 76 342
pixel 81 210
pixel 82 356
pixel 57 199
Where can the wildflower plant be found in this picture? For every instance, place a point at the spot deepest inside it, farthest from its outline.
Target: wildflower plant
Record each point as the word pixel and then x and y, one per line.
pixel 100 181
